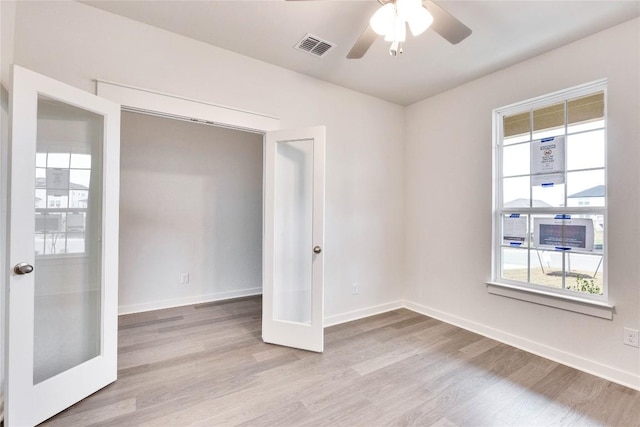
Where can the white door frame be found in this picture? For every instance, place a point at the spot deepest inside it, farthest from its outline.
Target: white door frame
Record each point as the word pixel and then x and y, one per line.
pixel 146 101
pixel 150 102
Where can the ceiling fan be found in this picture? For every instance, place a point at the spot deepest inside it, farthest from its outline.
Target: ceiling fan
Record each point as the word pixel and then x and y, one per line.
pixel 392 19
pixel 394 16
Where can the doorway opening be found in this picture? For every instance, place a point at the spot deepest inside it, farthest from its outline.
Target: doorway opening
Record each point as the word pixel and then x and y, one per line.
pixel 294 195
pixel 190 213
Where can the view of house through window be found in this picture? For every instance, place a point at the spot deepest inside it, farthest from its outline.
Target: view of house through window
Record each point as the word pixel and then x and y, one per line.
pixel 550 214
pixel 62 195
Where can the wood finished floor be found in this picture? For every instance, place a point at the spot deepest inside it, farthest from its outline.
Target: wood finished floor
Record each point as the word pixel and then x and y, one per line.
pixel 206 365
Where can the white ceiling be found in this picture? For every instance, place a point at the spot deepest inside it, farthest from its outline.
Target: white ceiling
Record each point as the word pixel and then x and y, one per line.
pixel 504 33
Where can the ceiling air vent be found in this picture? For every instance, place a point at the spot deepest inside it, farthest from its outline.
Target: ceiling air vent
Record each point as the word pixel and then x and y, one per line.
pixel 314 45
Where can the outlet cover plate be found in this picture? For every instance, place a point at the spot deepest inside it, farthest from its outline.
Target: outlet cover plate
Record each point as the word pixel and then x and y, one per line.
pixel 631 337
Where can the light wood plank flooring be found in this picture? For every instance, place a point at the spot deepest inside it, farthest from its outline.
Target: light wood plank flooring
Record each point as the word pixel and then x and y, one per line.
pixel 206 365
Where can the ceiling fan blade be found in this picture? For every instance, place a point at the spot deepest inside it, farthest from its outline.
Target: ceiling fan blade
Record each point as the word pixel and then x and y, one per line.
pixel 363 43
pixel 445 24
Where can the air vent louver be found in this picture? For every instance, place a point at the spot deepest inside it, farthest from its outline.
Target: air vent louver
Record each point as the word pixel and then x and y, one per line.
pixel 314 45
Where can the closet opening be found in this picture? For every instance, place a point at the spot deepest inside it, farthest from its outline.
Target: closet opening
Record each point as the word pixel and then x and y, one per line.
pixel 191 212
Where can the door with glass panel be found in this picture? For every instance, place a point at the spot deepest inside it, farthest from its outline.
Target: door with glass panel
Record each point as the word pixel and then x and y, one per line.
pixel 62 336
pixel 293 242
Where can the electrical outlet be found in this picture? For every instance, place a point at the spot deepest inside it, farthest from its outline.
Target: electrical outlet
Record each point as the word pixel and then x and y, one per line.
pixel 355 289
pixel 184 278
pixel 630 337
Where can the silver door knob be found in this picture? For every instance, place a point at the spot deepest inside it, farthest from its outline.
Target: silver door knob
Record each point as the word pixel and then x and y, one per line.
pixel 317 249
pixel 23 268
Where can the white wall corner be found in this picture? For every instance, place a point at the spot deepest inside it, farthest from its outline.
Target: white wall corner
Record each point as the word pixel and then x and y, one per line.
pixel 7 34
pixel 361 313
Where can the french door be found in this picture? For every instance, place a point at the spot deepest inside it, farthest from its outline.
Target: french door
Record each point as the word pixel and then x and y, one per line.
pixel 63 243
pixel 293 256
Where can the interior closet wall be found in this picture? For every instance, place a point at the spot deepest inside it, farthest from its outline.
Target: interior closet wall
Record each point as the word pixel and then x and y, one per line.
pixel 190 202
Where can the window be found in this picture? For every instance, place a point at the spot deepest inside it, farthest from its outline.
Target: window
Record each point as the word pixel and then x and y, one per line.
pixel 550 193
pixel 62 193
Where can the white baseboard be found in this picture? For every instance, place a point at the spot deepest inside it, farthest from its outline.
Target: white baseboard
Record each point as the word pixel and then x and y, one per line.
pixel 178 302
pixel 199 299
pixel 609 373
pixel 362 313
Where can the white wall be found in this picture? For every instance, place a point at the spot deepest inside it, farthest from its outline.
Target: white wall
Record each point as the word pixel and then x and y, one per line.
pixel 448 199
pixel 190 201
pixel 76 43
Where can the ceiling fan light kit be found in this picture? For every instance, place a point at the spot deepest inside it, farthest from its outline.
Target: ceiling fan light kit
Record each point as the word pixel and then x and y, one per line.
pixel 392 18
pixel 391 22
pixel 419 23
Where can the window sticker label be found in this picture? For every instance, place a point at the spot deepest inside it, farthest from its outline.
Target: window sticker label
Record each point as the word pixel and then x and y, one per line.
pixel 514 230
pixel 564 234
pixel 57 181
pixel 547 161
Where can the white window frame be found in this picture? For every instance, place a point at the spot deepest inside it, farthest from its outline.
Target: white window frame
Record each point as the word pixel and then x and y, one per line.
pixel 594 305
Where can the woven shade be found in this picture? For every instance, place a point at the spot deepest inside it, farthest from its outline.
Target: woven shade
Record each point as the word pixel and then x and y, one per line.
pixel 580 110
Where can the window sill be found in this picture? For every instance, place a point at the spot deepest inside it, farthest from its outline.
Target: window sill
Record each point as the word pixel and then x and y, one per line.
pixel 563 302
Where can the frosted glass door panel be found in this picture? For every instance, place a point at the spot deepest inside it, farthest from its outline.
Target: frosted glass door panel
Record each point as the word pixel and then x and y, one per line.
pixel 293 227
pixel 62 295
pixel 293 239
pixel 68 235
